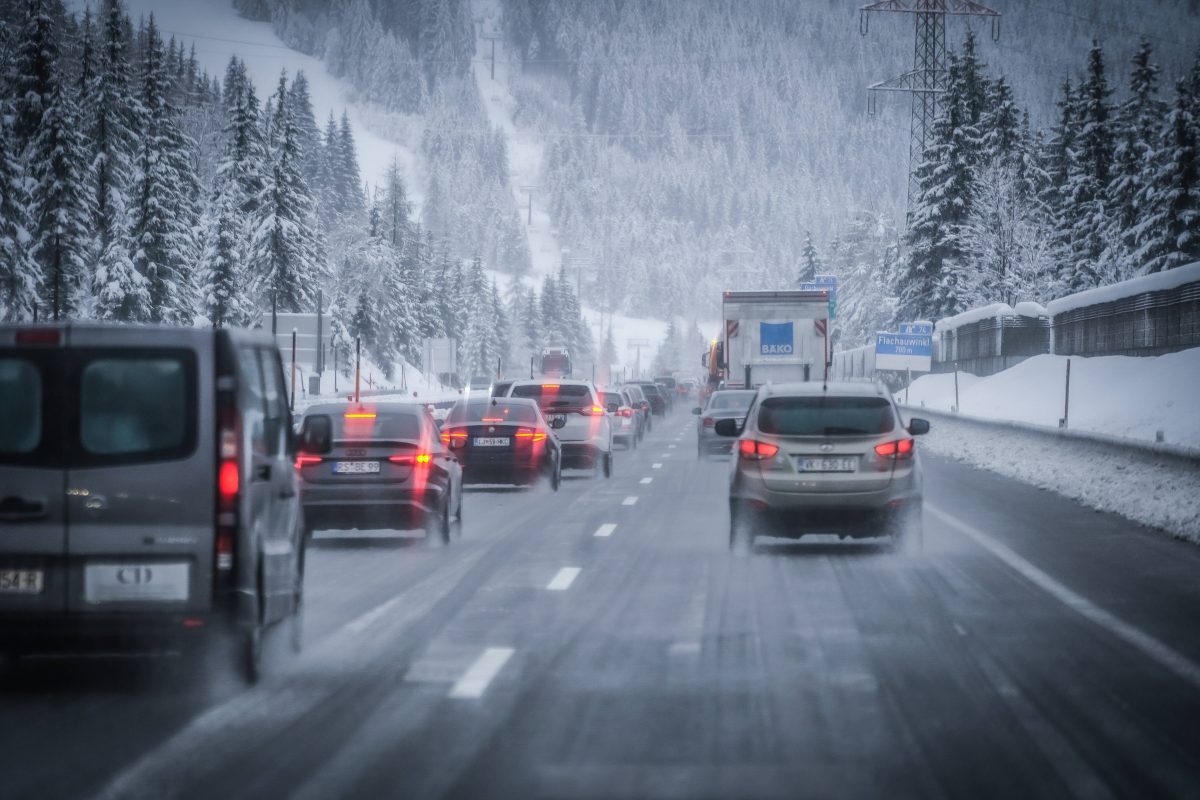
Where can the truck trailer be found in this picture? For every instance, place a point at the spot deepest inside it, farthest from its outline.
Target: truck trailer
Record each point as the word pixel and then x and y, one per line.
pixel 774 337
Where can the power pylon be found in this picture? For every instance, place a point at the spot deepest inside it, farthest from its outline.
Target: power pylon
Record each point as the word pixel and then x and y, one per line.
pixel 927 79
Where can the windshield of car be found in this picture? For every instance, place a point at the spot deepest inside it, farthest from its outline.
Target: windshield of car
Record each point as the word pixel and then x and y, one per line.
pixel 371 423
pixel 825 416
pixel 730 401
pixel 493 412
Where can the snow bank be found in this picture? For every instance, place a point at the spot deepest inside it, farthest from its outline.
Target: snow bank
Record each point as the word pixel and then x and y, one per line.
pixel 1159 491
pixel 1028 308
pixel 974 315
pixel 1157 282
pixel 1119 396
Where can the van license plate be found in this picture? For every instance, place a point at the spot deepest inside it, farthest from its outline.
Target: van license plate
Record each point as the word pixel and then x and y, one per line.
pixel 122 583
pixel 826 464
pixel 20 581
pixel 355 467
pixel 491 441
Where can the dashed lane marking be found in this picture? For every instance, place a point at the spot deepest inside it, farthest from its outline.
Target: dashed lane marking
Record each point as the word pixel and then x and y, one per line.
pixel 1165 655
pixel 671 446
pixel 563 579
pixel 475 681
pixel 629 501
pixel 647 480
pixel 606 529
pixel 656 465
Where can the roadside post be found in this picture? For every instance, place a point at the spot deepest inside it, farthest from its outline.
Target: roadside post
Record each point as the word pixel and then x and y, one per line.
pixel 357 362
pixel 292 405
pixel 1062 423
pixel 955 387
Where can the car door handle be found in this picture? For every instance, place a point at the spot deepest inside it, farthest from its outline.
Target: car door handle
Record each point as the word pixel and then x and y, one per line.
pixel 19 509
pixel 262 472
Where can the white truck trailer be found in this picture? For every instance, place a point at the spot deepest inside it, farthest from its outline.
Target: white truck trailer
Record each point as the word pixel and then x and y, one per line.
pixel 774 337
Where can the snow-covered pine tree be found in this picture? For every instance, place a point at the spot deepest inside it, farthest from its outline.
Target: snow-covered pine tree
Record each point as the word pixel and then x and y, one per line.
pixel 347 177
pixel 810 262
pixel 308 136
pixel 35 75
pixel 112 131
pixel 19 278
pixel 478 346
pixel 245 160
pixel 395 209
pixel 160 228
pixel 503 333
pixel 1168 233
pixel 222 278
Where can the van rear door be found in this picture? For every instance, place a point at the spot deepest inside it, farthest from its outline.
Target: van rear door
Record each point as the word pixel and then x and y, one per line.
pixel 33 572
pixel 140 484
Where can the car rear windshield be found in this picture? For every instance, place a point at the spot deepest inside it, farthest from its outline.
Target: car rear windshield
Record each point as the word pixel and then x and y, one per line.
pixel 377 424
pixel 612 399
pixel 649 388
pixel 467 413
pixel 732 401
pixel 136 407
pixel 548 392
pixel 20 407
pixel 825 416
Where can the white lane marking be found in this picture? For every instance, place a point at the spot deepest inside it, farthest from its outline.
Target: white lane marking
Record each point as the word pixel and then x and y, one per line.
pixel 671 446
pixel 1139 640
pixel 563 579
pixel 628 501
pixel 606 529
pixel 647 480
pixel 656 465
pixel 474 682
pixel 665 455
pixel 365 621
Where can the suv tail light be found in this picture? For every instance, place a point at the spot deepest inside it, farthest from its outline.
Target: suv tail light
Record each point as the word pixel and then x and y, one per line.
pixel 708 422
pixel 753 450
pixel 897 450
pixel 38 336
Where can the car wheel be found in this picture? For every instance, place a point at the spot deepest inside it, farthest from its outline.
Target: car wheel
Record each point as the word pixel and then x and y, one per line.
pixel 251 654
pixel 456 523
pixel 296 622
pixel 444 528
pixel 556 476
pixel 608 464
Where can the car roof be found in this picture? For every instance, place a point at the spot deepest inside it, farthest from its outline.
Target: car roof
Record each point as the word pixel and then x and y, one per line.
pixel 390 407
pixel 556 381
pixel 734 391
pixel 496 401
pixel 817 388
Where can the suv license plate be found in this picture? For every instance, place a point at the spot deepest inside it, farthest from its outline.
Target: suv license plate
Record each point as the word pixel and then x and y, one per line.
pixel 826 464
pixel 355 467
pixel 491 441
pixel 20 581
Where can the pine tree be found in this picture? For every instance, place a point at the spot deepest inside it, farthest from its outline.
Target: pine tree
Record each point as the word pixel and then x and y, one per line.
pixel 112 131
pixel 36 72
pixel 19 279
pixel 347 177
pixel 222 277
pixel 1169 232
pixel 396 208
pixel 502 332
pixel 810 262
pixel 308 136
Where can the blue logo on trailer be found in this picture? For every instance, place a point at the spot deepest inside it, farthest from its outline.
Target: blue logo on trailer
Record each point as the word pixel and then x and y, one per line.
pixel 775 339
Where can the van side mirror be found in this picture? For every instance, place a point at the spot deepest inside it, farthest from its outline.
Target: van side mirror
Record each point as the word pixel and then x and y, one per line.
pixel 316 435
pixel 727 427
pixel 918 426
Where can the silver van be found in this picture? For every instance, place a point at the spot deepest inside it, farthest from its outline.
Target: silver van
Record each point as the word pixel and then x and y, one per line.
pixel 147 494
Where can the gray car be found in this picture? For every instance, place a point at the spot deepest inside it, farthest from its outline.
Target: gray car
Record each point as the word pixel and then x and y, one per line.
pixel 824 459
pixel 582 424
pixel 147 497
pixel 723 404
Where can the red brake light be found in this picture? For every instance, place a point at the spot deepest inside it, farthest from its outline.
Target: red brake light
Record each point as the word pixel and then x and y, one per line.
pixel 38 336
pixel 709 422
pixel 899 449
pixel 550 386
pixel 526 435
pixel 492 419
pixel 359 415
pixel 753 450
pixel 306 461
pixel 228 480
pixel 625 412
pixel 419 458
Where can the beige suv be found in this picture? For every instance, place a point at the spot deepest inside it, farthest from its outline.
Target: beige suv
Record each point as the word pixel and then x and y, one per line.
pixel 833 459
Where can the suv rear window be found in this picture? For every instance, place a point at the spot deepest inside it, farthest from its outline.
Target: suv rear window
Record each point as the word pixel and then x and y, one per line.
pixel 825 416
pixel 20 406
pixel 730 401
pixel 487 411
pixel 546 392
pixel 136 407
pixel 377 424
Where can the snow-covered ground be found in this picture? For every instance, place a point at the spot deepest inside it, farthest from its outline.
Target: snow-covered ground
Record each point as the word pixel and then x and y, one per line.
pixel 1121 396
pixel 1156 490
pixel 219 33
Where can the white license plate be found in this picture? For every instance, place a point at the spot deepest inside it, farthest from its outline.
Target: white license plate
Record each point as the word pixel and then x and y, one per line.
pixel 355 467
pixel 826 464
pixel 491 441
pixel 123 583
pixel 20 581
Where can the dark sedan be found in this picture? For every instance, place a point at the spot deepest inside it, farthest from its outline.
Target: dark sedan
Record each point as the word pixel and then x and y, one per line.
pixel 654 393
pixel 377 466
pixel 503 440
pixel 722 404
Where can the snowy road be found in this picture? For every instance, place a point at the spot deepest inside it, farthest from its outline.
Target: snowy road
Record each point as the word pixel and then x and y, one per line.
pixel 579 645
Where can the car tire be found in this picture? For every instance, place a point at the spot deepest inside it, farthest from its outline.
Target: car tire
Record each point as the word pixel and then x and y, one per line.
pixel 556 476
pixel 296 620
pixel 456 524
pixel 250 653
pixel 444 526
pixel 608 464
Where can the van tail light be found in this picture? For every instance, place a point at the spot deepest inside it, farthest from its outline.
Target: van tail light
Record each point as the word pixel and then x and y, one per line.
pixel 897 451
pixel 454 439
pixel 753 450
pixel 229 487
pixel 525 435
pixel 709 422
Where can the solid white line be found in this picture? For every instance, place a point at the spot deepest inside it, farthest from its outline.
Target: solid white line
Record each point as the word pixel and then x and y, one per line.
pixel 563 579
pixel 628 501
pixel 606 529
pixel 474 682
pixel 647 480
pixel 1144 642
pixel 656 465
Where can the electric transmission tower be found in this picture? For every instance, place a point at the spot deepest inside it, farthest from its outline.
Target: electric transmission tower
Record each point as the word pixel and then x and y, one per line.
pixel 927 79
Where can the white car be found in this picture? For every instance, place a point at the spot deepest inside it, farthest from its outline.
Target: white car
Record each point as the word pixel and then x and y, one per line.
pixel 586 435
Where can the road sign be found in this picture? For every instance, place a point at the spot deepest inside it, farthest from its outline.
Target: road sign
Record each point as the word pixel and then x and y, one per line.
pixel 824 283
pixel 923 328
pixel 903 351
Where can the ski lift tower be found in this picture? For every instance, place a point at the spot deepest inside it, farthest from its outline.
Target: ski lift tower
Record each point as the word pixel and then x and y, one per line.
pixel 927 79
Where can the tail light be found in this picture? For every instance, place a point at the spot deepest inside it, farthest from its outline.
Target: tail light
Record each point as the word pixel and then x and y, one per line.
pixel 593 411
pixel 708 422
pixel 625 412
pixel 454 439
pixel 753 450
pixel 303 461
pixel 38 336
pixel 229 487
pixel 897 451
pixel 526 435
pixel 409 458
